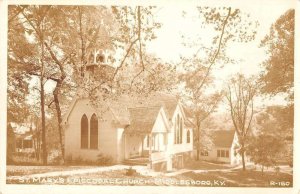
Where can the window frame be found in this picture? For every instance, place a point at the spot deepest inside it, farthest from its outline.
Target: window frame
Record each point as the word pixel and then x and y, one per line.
pixel 94 132
pixel 84 128
pixel 188 136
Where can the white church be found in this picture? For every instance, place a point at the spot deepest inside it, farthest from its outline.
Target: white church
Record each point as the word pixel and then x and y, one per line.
pixel 159 134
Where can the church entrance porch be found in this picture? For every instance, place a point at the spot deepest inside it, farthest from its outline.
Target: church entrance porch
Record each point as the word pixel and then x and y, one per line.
pixel 145 148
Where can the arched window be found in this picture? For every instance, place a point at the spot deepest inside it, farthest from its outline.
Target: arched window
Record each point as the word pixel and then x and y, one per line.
pixel 188 136
pixel 177 130
pixel 84 131
pixel 180 131
pixel 100 58
pixel 92 58
pixel 94 132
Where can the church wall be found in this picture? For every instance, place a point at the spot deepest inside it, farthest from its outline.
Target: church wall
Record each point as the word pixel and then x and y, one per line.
pixel 107 134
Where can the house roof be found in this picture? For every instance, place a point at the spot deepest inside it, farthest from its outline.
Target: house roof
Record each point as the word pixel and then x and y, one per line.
pixel 142 119
pixel 223 138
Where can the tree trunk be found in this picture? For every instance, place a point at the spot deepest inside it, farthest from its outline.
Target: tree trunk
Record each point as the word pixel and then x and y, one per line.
pixel 198 142
pixel 243 156
pixel 44 147
pixel 243 161
pixel 59 117
pixel 198 155
pixel 42 93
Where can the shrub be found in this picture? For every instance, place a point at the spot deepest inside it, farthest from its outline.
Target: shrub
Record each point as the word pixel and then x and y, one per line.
pixel 68 159
pixel 264 149
pixel 277 169
pixel 130 172
pixel 23 159
pixel 55 157
pixel 104 160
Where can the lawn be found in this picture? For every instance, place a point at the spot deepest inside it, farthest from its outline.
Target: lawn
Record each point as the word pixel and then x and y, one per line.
pixel 12 170
pixel 249 178
pixel 204 165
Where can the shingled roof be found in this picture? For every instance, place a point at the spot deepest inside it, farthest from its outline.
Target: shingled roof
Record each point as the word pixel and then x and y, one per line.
pixel 121 106
pixel 223 138
pixel 142 119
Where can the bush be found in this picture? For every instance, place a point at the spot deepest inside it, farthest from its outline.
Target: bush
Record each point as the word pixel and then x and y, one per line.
pixel 264 149
pixel 277 169
pixel 130 172
pixel 23 159
pixel 69 159
pixel 104 160
pixel 55 157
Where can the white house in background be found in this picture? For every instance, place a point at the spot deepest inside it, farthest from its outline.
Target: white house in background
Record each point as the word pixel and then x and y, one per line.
pixel 156 133
pixel 23 137
pixel 224 149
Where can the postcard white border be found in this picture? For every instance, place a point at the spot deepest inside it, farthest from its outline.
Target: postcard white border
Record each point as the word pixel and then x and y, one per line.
pixel 72 189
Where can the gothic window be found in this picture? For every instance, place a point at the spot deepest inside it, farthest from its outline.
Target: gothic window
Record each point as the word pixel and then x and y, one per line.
pixel 188 136
pixel 84 131
pixel 177 130
pixel 180 131
pixel 100 58
pixel 91 59
pixel 94 132
pixel 82 71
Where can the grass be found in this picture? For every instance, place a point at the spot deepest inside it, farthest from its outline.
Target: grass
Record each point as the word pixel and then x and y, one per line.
pixel 204 165
pixel 239 178
pixel 12 170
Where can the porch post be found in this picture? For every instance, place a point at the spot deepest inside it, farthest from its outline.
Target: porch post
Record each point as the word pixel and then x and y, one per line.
pixel 150 149
pixel 158 141
pixel 125 157
pixel 142 145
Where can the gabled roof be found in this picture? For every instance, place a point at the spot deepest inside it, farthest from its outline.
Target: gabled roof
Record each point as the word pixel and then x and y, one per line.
pixel 126 110
pixel 223 138
pixel 142 119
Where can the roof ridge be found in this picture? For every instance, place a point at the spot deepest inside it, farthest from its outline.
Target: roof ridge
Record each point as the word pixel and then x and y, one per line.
pixel 140 107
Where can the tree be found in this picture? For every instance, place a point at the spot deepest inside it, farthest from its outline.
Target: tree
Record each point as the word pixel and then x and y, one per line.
pixel 264 149
pixel 135 72
pixel 279 67
pixel 274 121
pixel 57 43
pixel 278 76
pixel 18 80
pixel 30 57
pixel 198 69
pixel 240 97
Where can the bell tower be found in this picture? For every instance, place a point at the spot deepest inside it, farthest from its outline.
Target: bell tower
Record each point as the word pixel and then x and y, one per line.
pixel 99 66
